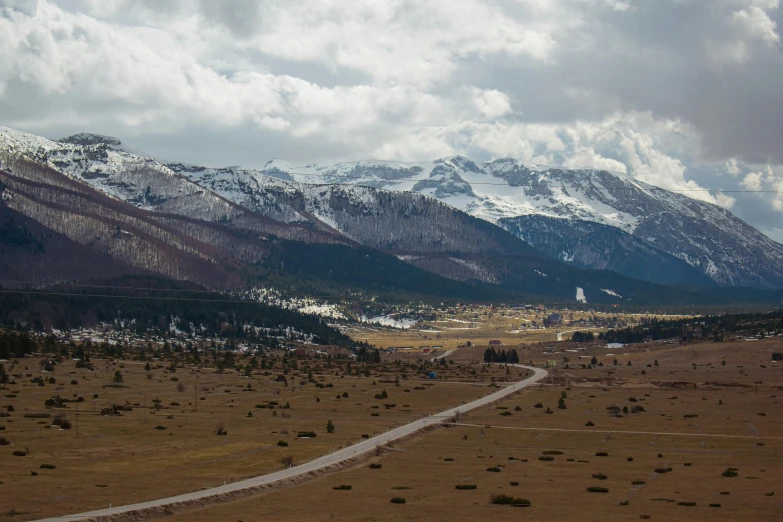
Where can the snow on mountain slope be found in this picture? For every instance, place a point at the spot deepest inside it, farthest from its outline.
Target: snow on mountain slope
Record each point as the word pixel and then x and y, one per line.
pixel 95 160
pixel 334 196
pixel 704 235
pixel 396 222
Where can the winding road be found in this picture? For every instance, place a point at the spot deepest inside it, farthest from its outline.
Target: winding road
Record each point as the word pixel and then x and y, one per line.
pixel 320 463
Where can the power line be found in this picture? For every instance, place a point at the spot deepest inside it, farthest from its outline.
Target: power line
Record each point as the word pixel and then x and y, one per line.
pixel 105 286
pixel 309 296
pixel 128 296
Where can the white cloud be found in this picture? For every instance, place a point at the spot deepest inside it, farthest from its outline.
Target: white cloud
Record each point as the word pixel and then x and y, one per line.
pixel 492 103
pixel 756 23
pixel 752 181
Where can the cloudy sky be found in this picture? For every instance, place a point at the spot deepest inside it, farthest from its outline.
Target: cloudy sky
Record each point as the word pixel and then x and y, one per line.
pixel 684 94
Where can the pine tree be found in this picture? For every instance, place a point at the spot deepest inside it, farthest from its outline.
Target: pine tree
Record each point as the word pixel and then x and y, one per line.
pixel 329 427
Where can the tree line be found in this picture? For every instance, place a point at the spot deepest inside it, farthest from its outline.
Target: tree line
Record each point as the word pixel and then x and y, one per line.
pixel 210 314
pixel 492 356
pixel 713 327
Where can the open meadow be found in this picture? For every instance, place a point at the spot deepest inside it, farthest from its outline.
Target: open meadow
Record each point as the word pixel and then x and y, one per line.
pixel 667 441
pixel 149 429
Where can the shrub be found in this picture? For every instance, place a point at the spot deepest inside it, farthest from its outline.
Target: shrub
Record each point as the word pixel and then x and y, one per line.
pixel 449 459
pixel 715 505
pixel 220 429
pixel 465 486
pixel 589 423
pixel 4 441
pixel 376 466
pixel 159 427
pixel 686 503
pixel 343 487
pixel 546 458
pixel 731 472
pixel 47 466
pixel 19 453
pixel 601 454
pixel 503 500
pixel 494 469
pixel 597 489
pixel 506 413
pixel 552 452
pixel 538 405
pixel 306 434
pixel 520 502
pixel 638 482
pixel 398 500
pixel 599 476
pixel 282 443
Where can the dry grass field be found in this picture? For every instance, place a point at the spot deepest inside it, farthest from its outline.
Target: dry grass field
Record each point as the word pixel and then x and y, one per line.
pixel 667 461
pixel 172 445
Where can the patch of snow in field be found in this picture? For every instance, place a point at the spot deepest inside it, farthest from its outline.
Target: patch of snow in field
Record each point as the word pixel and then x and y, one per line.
pixel 611 292
pixel 580 295
pixel 388 320
pixel 615 345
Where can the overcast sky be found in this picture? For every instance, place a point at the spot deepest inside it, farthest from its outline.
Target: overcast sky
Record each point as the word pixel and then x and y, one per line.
pixel 683 94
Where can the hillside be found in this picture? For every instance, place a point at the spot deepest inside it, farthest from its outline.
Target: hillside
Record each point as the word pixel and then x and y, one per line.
pixel 228 229
pixel 706 236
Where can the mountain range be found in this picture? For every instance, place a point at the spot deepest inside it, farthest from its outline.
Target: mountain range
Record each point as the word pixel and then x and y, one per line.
pixel 448 228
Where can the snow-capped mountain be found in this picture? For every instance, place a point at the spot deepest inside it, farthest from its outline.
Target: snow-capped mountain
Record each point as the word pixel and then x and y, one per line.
pixel 451 216
pixel 705 236
pixel 99 162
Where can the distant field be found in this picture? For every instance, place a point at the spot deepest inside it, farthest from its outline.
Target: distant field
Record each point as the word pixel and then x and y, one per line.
pixel 479 325
pixel 696 424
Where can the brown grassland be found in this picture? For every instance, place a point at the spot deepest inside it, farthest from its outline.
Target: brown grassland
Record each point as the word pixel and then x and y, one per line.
pixel 697 423
pixel 696 418
pixel 149 453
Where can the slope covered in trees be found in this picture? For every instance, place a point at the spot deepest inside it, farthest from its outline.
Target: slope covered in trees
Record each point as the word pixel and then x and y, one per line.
pixel 714 327
pixel 155 308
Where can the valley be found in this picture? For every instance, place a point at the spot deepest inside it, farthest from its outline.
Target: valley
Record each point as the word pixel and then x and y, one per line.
pixel 214 416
